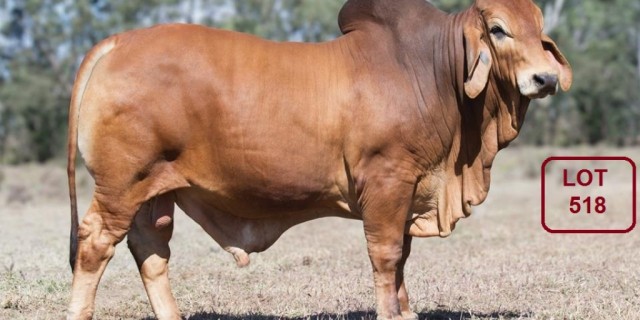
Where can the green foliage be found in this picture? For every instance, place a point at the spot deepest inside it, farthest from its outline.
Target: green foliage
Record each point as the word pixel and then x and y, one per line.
pixel 42 44
pixel 302 20
pixel 37 118
pixel 42 60
pixel 602 42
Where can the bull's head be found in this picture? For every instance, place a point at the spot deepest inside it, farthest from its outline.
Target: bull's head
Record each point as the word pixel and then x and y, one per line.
pixel 505 40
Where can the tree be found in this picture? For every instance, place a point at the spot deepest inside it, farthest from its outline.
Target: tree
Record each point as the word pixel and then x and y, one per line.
pixel 601 41
pixel 297 20
pixel 44 44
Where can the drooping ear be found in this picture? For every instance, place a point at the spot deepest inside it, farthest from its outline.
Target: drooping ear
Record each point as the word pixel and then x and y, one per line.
pixel 557 59
pixel 479 61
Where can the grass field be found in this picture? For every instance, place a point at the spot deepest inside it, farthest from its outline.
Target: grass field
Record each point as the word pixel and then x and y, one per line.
pixel 497 264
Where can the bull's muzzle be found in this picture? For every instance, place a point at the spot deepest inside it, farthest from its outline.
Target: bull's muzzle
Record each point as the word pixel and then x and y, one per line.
pixel 547 83
pixel 539 85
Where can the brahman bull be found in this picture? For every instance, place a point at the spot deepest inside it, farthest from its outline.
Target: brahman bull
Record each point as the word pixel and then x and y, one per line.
pixel 395 123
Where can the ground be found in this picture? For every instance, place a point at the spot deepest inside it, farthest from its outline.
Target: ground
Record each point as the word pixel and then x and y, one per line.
pixel 498 264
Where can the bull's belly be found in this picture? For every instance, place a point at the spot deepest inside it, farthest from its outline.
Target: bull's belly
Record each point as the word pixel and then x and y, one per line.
pixel 250 205
pixel 270 182
pixel 267 197
pixel 257 224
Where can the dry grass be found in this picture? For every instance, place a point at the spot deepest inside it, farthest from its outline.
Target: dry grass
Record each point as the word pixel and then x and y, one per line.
pixel 498 264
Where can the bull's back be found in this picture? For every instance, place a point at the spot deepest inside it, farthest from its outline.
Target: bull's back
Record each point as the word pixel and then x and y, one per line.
pixel 240 117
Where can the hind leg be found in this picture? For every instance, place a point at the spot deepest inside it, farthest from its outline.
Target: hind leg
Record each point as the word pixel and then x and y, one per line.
pixel 148 241
pixel 98 234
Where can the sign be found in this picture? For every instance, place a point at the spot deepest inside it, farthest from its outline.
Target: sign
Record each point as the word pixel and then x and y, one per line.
pixel 588 195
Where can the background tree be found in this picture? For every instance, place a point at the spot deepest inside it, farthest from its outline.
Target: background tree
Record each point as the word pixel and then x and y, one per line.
pixel 601 40
pixel 42 44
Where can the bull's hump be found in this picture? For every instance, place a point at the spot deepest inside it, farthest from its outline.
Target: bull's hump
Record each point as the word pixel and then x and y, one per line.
pixel 356 13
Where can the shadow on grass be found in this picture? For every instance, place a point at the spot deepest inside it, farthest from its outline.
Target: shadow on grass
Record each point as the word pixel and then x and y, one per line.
pixel 368 315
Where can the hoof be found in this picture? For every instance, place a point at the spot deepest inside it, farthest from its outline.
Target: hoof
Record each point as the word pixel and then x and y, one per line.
pixel 410 316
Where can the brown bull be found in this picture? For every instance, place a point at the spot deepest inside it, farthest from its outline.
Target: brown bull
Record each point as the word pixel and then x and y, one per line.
pixel 395 123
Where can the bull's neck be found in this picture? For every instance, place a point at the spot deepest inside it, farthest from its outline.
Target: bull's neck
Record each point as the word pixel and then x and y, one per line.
pixel 437 60
pixel 507 109
pixel 435 64
pixel 454 45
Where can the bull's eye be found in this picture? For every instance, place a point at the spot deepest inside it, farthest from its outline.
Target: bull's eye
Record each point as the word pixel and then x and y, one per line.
pixel 498 32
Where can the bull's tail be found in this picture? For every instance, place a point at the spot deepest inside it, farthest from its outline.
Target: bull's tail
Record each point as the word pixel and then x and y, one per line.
pixel 82 79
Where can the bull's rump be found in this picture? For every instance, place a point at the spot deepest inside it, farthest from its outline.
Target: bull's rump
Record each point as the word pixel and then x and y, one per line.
pixel 257 124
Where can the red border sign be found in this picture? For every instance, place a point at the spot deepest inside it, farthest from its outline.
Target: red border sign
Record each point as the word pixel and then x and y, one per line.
pixel 570 158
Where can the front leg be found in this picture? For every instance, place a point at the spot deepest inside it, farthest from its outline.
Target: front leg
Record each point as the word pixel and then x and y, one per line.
pixel 403 296
pixel 385 206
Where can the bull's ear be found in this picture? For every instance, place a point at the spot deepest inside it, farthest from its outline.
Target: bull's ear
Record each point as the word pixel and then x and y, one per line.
pixel 479 61
pixel 557 59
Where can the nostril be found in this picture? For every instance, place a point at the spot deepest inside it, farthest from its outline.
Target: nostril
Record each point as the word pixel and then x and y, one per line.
pixel 545 80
